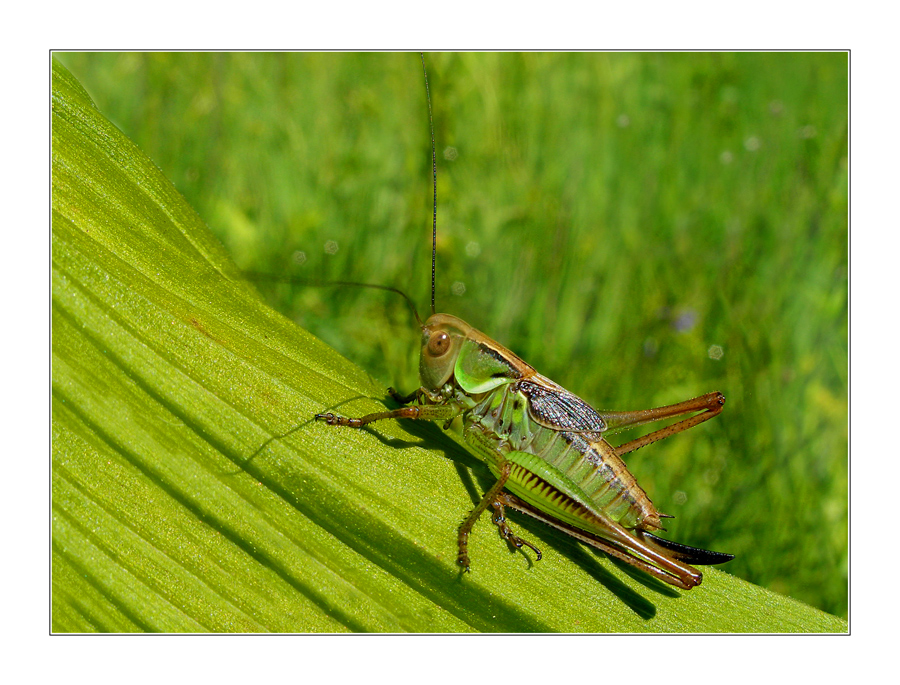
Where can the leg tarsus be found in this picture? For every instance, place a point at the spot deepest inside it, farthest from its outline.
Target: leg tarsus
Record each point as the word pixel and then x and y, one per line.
pixel 499 519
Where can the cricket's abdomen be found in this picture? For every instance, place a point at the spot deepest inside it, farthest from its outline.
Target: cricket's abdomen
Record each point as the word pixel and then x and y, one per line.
pixel 599 476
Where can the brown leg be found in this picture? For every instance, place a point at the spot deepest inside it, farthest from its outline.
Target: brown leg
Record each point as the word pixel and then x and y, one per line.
pixel 626 547
pixel 708 405
pixel 489 497
pixel 426 413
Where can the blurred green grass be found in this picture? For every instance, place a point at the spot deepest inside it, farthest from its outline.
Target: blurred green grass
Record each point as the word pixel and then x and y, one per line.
pixel 610 217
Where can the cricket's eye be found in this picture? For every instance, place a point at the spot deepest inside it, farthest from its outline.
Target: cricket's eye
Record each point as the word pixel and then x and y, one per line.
pixel 438 344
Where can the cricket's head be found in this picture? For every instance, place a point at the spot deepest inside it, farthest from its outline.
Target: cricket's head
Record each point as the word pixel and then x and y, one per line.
pixel 443 336
pixel 451 348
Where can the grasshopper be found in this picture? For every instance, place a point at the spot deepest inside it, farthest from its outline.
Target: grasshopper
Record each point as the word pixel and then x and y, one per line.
pixel 546 447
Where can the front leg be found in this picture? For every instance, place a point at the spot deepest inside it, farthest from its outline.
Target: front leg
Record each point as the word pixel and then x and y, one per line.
pixel 426 412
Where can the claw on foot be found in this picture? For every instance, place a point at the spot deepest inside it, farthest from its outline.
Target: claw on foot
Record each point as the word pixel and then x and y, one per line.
pixel 499 519
pixel 518 542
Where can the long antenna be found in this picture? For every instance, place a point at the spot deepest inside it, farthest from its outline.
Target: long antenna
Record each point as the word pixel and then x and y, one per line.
pixel 287 280
pixel 434 181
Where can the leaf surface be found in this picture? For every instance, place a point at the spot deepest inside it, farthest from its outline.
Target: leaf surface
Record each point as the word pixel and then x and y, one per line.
pixel 193 492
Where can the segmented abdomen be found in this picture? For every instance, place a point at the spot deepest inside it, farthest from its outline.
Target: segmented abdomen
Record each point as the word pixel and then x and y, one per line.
pixel 585 458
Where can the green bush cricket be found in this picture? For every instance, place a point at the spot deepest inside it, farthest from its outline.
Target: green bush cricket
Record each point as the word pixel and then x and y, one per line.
pixel 546 447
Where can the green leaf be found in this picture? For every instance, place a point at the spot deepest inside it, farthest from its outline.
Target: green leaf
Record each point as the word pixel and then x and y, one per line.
pixel 193 492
